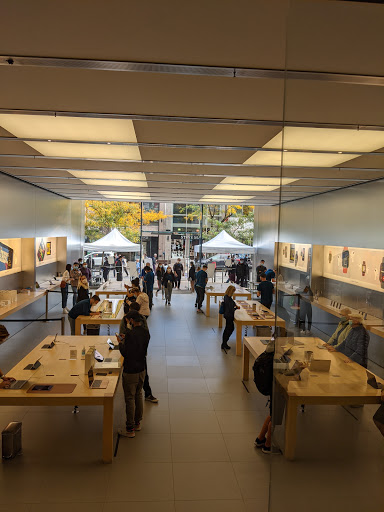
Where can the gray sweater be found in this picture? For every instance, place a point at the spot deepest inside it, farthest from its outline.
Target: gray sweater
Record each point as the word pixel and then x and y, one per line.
pixel 355 345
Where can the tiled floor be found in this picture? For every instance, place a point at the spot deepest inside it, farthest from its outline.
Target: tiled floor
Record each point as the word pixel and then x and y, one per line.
pixel 195 451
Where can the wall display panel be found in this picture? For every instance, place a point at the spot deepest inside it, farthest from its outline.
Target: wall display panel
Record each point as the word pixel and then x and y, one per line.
pixel 294 255
pixel 353 265
pixel 10 256
pixel 46 251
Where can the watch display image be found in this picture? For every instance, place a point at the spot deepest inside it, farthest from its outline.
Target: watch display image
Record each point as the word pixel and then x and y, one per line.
pixel 381 275
pixel 296 258
pixel 330 257
pixel 363 269
pixel 345 260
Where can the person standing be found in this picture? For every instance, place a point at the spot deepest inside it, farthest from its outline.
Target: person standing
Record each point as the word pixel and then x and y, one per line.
pixel 154 261
pixel 229 315
pixel 82 289
pixel 148 282
pixel 75 274
pixel 192 276
pixel 265 291
pixel 106 269
pixel 134 352
pixel 119 268
pixel 178 269
pixel 82 308
pixel 305 313
pixel 168 282
pixel 124 263
pixel 201 283
pixel 270 274
pixel 65 280
pixel 86 272
pixel 260 269
pixel 124 325
pixel 242 273
pixel 159 276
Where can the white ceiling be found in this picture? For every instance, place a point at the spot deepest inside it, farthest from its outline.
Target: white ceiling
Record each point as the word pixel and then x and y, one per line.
pixel 54 132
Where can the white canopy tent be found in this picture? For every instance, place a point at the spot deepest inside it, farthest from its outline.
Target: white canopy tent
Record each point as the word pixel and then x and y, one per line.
pixel 225 243
pixel 114 241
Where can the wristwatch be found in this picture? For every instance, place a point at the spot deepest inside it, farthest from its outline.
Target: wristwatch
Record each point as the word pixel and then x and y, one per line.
pixel 345 260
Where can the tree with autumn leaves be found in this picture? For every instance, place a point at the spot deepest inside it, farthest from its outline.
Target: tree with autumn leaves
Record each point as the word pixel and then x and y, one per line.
pixel 102 216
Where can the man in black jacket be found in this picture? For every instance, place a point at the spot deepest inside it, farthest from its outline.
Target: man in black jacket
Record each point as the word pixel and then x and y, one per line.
pixel 242 273
pixel 178 270
pixel 134 351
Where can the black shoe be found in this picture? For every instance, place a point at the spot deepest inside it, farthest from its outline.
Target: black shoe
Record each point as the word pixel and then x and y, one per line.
pixel 259 443
pixel 227 347
pixel 195 305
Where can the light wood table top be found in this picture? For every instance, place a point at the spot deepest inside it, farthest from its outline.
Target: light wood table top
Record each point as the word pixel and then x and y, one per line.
pixel 56 367
pixel 344 384
pixel 112 288
pixel 244 317
pixel 105 318
pixel 219 289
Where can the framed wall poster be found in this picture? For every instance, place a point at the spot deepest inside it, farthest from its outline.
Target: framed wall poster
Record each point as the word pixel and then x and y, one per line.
pixel 49 249
pixel 41 250
pixel 6 257
pixel 292 252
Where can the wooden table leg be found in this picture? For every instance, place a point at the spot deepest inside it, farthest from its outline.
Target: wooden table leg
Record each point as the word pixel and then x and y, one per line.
pixel 77 327
pixel 208 307
pixel 239 333
pixel 290 429
pixel 245 363
pixel 108 430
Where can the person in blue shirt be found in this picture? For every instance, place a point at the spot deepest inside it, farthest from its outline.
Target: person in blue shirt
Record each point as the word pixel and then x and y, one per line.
pixel 148 282
pixel 200 284
pixel 82 308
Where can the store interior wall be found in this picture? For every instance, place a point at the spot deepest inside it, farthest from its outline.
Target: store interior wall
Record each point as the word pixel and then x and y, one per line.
pixel 350 217
pixel 30 212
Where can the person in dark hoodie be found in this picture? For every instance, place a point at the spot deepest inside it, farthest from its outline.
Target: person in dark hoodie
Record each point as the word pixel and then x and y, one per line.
pixel 134 350
pixel 229 315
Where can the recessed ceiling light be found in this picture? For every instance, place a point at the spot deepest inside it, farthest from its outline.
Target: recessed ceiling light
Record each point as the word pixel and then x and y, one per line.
pixel 113 178
pixel 116 183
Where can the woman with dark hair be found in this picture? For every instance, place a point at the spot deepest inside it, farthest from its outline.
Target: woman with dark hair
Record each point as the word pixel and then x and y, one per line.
pixel 64 287
pixel 159 276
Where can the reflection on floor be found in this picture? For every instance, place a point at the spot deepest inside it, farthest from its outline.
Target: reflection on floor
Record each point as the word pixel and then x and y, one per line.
pixel 195 451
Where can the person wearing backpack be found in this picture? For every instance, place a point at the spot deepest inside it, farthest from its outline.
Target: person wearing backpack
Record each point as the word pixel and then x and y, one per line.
pixel 228 307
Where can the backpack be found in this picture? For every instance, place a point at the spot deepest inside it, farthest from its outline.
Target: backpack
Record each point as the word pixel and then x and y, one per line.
pixel 263 373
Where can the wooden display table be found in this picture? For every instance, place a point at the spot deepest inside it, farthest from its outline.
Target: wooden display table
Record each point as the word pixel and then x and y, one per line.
pixel 105 318
pixel 112 288
pixel 25 299
pixel 218 290
pixel 57 368
pixel 243 317
pixel 344 384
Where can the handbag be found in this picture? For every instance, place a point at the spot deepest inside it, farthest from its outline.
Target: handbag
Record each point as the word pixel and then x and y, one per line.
pixel 63 284
pixel 222 309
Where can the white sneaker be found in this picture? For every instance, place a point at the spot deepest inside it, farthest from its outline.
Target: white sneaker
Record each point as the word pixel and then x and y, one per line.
pixel 303 333
pixel 65 311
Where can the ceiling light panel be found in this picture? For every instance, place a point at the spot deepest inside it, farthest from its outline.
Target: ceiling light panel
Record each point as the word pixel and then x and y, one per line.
pixel 116 183
pixel 225 199
pixel 316 139
pixel 78 129
pixel 247 188
pixel 106 175
pixel 249 180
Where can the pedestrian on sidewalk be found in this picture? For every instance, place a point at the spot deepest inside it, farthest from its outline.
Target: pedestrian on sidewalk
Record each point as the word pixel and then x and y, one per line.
pixel 192 276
